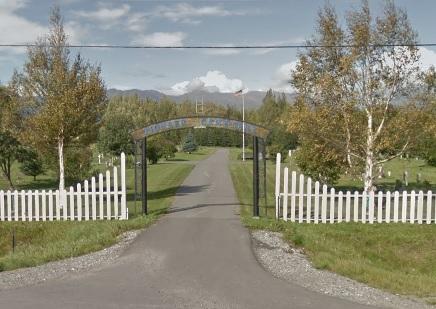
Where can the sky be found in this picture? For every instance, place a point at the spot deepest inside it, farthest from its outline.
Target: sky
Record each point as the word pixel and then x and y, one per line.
pixel 184 23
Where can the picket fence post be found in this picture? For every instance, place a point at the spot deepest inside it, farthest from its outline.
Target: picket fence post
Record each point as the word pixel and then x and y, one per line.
pixel 277 187
pixel 429 201
pixel 285 193
pixel 301 199
pixel 309 200
pixel 316 212
pixel 293 193
pixel 332 205
pixel 324 204
pixel 2 206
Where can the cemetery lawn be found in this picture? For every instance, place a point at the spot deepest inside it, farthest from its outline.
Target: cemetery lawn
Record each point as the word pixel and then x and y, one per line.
pixel 41 242
pixel 399 258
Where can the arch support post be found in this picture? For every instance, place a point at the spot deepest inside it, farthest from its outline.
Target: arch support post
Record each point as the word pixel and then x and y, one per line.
pixel 255 176
pixel 144 176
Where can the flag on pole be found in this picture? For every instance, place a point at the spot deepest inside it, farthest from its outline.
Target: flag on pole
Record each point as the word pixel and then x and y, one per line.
pixel 238 93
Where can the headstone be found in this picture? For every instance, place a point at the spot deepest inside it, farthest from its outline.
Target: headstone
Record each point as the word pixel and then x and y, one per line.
pixel 405 178
pixel 389 173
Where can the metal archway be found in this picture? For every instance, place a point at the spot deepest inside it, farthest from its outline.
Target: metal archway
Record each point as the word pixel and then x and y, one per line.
pixel 259 134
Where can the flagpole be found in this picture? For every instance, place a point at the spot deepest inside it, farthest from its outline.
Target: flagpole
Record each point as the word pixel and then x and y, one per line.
pixel 243 128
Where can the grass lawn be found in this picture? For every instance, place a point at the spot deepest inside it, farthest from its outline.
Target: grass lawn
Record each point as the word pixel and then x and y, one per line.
pixel 41 242
pixel 400 258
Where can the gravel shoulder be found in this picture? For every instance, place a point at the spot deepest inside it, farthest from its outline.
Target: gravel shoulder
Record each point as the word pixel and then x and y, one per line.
pixel 290 264
pixel 67 267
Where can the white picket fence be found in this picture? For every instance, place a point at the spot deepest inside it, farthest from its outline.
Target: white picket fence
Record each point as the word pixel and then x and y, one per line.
pixel 304 201
pixel 96 201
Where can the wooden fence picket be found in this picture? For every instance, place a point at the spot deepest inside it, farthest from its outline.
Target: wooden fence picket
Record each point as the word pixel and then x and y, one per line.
pixel 9 203
pixel 277 186
pixel 396 205
pixel 16 201
pixel 50 205
pixel 316 205
pixel 340 201
pixel 293 192
pixel 2 206
pixel 124 211
pixel 108 195
pixel 58 205
pixel 309 200
pixel 285 194
pixel 332 205
pixel 36 205
pixel 100 195
pixel 301 199
pixel 429 202
pixel 380 207
pixel 29 205
pixel 420 207
pixel 388 207
pixel 348 206
pixel 44 205
pixel 86 188
pixel 364 206
pixel 93 199
pixel 115 192
pixel 71 204
pixel 79 202
pixel 64 201
pixel 371 207
pixel 324 204
pixel 356 207
pixel 404 208
pixel 23 205
pixel 412 206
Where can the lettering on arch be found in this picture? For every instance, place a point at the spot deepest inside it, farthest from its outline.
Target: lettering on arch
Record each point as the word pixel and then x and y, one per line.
pixel 203 122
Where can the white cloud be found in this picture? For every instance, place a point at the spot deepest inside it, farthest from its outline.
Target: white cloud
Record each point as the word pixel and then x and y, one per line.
pixel 213 81
pixel 16 29
pixel 108 17
pixel 223 52
pixel 282 77
pixel 161 39
pixel 186 13
pixel 11 5
pixel 428 58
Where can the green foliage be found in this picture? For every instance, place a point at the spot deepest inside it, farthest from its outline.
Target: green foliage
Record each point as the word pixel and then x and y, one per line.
pixel 189 145
pixel 66 96
pixel 10 151
pixel 31 165
pixel 115 135
pixel 77 164
pixel 281 141
pixel 159 147
pixel 319 163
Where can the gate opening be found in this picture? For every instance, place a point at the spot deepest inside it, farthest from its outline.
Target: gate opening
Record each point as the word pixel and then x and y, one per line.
pixel 258 133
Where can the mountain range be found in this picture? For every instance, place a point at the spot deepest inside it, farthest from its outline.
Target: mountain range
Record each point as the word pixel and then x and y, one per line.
pixel 253 99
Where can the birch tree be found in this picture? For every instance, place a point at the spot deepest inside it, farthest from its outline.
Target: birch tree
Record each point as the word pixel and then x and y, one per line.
pixel 353 82
pixel 65 95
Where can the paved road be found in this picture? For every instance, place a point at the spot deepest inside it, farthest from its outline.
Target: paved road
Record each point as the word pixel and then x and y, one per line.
pixel 198 256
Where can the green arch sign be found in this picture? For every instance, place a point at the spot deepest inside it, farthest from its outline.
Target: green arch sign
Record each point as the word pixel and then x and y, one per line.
pixel 201 122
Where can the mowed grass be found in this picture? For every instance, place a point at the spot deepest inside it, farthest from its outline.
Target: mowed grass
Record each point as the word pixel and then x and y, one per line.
pixel 42 242
pixel 400 258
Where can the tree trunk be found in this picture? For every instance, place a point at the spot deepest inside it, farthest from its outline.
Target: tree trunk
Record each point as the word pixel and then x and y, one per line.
pixel 369 162
pixel 61 170
pixel 6 168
